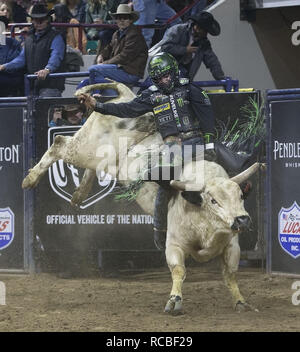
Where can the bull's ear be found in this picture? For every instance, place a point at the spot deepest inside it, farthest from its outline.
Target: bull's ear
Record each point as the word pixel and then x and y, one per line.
pixel 192 197
pixel 246 188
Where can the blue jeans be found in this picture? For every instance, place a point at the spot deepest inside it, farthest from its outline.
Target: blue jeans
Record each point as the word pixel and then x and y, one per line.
pixel 99 73
pixel 150 10
pixel 49 92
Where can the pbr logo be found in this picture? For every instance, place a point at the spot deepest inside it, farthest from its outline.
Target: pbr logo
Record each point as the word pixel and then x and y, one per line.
pixel 64 178
pixel 289 230
pixel 7 227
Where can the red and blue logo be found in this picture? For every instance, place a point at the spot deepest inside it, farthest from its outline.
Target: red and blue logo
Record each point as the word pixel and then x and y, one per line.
pixel 289 230
pixel 7 227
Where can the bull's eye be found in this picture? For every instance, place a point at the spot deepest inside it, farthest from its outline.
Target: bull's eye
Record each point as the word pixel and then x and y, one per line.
pixel 214 201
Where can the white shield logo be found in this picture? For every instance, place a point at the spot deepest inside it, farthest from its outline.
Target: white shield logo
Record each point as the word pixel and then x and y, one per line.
pixel 64 178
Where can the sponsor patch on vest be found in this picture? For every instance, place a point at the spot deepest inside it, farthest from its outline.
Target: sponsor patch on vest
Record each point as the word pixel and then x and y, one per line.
pixel 186 120
pixel 165 119
pixel 161 108
pixel 206 98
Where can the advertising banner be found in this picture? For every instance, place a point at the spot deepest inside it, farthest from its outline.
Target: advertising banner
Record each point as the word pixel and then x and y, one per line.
pixel 284 199
pixel 11 193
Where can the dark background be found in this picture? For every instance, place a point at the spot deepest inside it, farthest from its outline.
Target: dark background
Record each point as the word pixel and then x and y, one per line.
pixel 11 193
pixel 285 122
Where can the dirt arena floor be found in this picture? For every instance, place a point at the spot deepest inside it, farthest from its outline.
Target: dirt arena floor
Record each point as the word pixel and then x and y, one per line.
pixel 134 302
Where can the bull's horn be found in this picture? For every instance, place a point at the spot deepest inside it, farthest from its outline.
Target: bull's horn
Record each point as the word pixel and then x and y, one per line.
pixel 120 87
pixel 182 186
pixel 243 176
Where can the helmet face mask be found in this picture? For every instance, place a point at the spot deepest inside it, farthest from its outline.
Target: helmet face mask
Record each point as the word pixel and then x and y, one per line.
pixel 160 66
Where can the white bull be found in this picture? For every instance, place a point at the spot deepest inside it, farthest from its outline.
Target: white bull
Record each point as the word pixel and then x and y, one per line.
pixel 202 231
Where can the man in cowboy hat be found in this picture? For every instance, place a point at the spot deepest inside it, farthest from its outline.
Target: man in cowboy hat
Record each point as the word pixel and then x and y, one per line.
pixel 43 53
pixel 189 44
pixel 124 58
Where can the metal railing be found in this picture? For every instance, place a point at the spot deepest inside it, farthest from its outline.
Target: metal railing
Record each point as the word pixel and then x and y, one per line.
pixel 28 79
pixel 228 84
pixel 80 27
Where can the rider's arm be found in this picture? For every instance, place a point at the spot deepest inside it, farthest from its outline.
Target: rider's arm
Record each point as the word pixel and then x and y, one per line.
pixel 134 108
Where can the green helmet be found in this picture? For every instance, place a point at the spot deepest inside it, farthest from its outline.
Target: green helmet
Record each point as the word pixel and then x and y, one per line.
pixel 161 65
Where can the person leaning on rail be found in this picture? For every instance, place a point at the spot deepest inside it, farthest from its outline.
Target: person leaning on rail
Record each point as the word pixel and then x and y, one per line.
pixel 124 59
pixel 43 53
pixel 189 44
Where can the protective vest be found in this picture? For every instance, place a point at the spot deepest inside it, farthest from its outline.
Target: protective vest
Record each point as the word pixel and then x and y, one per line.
pixel 37 54
pixel 173 113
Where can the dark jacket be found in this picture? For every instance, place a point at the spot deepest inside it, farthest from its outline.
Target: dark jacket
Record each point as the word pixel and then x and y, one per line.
pixel 37 54
pixel 175 41
pixel 199 107
pixel 128 50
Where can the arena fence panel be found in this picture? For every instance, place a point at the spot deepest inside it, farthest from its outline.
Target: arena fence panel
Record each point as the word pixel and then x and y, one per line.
pixel 15 216
pixel 283 193
pixel 102 233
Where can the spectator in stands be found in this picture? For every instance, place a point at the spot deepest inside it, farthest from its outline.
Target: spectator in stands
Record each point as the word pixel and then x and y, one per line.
pixel 68 9
pixel 5 10
pixel 99 12
pixel 11 84
pixel 124 59
pixel 43 53
pixel 151 10
pixel 68 115
pixel 19 10
pixel 189 44
pixel 73 12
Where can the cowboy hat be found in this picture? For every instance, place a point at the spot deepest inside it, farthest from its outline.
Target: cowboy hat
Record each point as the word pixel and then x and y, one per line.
pixel 40 11
pixel 206 21
pixel 125 9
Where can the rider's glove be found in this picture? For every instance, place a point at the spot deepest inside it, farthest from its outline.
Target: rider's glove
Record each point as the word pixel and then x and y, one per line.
pixel 210 153
pixel 99 107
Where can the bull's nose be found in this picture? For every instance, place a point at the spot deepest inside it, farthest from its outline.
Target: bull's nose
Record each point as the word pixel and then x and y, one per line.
pixel 241 222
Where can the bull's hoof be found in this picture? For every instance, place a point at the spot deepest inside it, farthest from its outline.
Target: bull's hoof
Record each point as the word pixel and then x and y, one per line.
pixel 244 307
pixel 31 180
pixel 174 305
